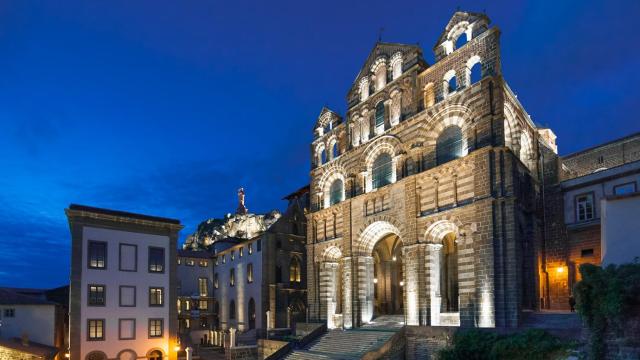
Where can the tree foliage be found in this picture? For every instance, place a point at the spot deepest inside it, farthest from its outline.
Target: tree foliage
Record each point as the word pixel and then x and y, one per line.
pixel 603 298
pixel 486 345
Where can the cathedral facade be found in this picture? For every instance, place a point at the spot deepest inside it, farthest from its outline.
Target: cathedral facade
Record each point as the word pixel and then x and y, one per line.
pixel 425 196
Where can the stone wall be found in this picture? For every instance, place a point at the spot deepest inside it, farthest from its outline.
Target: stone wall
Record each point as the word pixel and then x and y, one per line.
pixel 10 354
pixel 268 347
pixel 241 353
pixel 423 343
pixel 612 154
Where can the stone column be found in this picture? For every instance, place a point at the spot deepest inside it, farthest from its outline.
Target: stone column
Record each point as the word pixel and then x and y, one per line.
pixel 365 288
pixel 329 294
pixel 395 108
pixel 434 258
pixel 347 304
pixel 410 273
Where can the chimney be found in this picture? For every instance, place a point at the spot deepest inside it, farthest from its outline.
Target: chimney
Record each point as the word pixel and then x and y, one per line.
pixel 25 339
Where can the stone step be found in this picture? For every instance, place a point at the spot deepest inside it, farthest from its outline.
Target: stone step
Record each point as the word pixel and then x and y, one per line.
pixel 351 344
pixel 552 320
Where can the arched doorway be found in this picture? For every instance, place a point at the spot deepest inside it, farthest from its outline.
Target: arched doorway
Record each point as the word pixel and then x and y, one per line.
pixel 127 355
pixel 330 294
pixel 252 314
pixel 449 274
pixel 155 355
pixel 387 272
pixel 96 355
pixel 443 239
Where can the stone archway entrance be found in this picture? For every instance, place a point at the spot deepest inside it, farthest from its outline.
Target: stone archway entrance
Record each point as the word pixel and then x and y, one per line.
pixel 380 278
pixel 388 277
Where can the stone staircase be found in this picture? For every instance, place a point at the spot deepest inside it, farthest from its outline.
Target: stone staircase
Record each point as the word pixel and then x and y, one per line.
pixel 552 320
pixel 565 325
pixel 350 344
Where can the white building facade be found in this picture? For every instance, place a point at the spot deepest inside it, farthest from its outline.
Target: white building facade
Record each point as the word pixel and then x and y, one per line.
pixel 123 293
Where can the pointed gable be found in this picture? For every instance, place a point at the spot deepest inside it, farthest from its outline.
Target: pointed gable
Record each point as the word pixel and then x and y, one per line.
pixel 383 51
pixel 326 118
pixel 462 21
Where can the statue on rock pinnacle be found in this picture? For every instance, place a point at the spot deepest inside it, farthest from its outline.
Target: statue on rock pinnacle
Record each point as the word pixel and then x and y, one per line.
pixel 241 210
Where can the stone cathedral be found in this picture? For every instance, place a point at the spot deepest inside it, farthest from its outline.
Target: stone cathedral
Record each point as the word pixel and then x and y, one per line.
pixel 425 196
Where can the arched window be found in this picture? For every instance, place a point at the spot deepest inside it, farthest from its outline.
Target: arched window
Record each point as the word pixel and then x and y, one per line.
pixel 96 355
pixel 449 145
pixel 155 355
pixel 380 114
pixel 127 355
pixel 429 96
pixel 320 154
pixel 449 274
pixel 364 89
pixel 232 309
pixel 295 270
pixel 334 150
pixel 461 40
pixel 232 277
pixel 450 84
pixel 249 272
pixel 476 73
pixel 336 192
pixel 381 171
pixel 474 70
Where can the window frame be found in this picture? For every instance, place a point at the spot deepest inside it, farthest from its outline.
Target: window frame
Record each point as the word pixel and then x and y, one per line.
pixel 161 296
pixel 135 300
pixel 249 273
pixel 120 329
pixel 9 312
pixel 164 263
pixel 104 325
pixel 206 284
pixel 106 254
pixel 161 328
pixel 577 209
pixel 616 187
pixel 377 177
pixel 135 268
pixel 104 295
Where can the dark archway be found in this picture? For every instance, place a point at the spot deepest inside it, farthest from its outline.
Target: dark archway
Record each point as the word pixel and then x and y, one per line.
pixel 387 272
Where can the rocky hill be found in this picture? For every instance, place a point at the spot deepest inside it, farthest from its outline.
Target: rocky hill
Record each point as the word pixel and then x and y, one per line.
pixel 242 226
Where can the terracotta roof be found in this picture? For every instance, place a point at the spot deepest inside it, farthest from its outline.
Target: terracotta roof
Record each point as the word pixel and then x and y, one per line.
pixel 33 348
pixel 122 214
pixel 302 190
pixel 11 297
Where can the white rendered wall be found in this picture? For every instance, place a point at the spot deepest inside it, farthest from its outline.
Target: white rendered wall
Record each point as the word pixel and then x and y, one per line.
pixel 36 321
pixel 113 279
pixel 620 227
pixel 242 292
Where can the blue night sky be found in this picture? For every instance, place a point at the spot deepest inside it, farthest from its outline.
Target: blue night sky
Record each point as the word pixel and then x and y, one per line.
pixel 167 107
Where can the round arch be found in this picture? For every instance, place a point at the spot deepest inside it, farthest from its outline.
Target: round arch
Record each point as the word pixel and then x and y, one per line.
pixel 96 355
pixel 127 354
pixel 155 354
pixel 439 229
pixel 331 254
pixel 374 232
